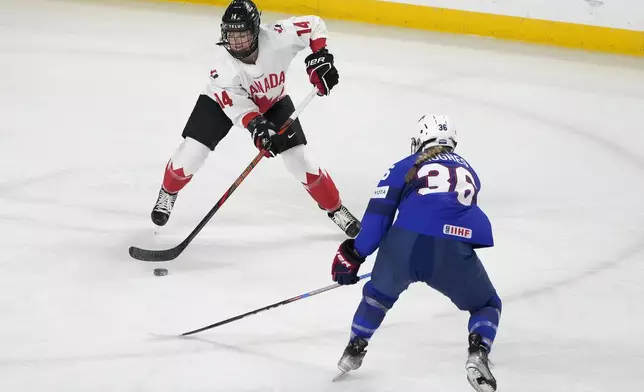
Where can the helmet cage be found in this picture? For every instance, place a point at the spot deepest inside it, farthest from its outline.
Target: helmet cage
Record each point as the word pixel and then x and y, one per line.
pixel 240 16
pixel 227 28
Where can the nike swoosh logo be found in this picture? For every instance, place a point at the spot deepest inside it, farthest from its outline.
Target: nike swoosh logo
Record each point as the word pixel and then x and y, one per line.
pixel 291 135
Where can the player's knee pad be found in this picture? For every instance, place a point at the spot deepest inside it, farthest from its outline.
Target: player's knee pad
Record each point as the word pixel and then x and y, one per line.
pixel 190 156
pixel 376 298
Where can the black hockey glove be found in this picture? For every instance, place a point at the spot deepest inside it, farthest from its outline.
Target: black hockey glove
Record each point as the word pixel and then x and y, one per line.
pixel 262 132
pixel 346 263
pixel 322 72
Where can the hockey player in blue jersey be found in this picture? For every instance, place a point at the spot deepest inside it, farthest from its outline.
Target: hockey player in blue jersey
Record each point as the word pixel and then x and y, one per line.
pixel 433 240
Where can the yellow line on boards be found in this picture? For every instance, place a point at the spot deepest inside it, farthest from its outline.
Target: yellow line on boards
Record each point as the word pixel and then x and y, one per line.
pixel 603 39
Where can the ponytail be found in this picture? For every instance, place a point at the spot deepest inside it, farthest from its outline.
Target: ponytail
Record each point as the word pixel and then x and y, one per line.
pixel 428 154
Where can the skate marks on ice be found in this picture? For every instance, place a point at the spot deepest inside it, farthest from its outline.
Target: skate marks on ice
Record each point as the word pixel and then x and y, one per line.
pixel 204 346
pixel 54 194
pixel 620 154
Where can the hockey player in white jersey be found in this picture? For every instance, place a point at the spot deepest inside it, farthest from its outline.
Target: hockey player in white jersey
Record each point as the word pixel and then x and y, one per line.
pixel 246 89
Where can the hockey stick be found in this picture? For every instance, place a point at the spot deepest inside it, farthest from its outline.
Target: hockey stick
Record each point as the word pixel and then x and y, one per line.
pixel 286 301
pixel 173 253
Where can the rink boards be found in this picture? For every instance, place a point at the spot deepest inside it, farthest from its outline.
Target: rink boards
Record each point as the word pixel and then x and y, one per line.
pixel 565 34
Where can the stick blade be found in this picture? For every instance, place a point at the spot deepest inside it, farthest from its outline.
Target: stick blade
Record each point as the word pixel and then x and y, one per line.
pixel 155 255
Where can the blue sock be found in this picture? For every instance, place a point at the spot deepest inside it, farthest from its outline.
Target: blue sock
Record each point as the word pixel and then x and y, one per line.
pixel 485 321
pixel 370 313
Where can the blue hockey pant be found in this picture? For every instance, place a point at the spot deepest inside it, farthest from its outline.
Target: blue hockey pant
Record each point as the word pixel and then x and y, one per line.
pixel 448 266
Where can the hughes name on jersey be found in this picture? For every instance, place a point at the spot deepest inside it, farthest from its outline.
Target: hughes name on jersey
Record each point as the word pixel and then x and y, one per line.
pixel 245 91
pixel 440 201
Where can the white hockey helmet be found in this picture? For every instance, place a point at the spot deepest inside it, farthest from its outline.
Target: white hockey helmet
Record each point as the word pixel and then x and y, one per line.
pixel 433 130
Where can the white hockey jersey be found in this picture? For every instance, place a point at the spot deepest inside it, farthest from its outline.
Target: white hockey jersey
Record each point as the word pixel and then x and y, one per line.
pixel 245 91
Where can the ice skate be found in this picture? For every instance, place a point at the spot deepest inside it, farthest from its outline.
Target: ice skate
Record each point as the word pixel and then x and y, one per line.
pixel 478 366
pixel 163 207
pixel 352 357
pixel 346 221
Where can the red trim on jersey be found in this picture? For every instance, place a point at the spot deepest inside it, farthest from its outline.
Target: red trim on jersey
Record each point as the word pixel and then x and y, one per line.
pixel 247 118
pixel 317 44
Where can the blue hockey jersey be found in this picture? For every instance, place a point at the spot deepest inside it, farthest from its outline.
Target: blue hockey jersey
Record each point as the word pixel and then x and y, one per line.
pixel 440 201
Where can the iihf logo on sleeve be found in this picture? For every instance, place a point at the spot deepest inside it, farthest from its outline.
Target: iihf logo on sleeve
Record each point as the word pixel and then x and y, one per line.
pixel 457 231
pixel 213 74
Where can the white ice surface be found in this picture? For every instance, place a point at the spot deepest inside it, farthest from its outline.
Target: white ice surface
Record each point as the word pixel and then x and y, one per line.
pixel 93 98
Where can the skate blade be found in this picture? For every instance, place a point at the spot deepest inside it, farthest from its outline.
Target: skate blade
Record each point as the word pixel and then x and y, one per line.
pixel 472 377
pixel 339 376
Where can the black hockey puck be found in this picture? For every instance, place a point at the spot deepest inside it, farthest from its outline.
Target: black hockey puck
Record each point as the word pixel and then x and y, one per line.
pixel 160 272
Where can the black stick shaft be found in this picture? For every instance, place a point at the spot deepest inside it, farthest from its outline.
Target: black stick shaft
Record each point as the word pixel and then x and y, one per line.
pixel 276 304
pixel 173 253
